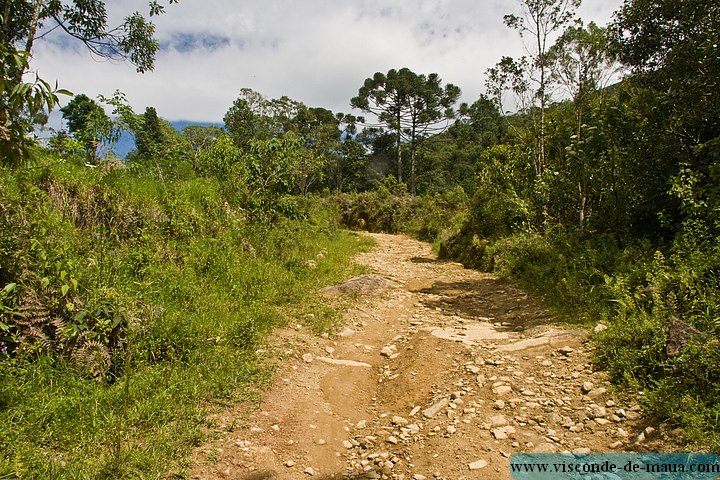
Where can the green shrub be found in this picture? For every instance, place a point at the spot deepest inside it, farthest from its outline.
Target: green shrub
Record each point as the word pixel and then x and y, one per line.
pixel 130 302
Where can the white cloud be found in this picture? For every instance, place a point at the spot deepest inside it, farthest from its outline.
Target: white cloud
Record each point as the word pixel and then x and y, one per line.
pixel 315 51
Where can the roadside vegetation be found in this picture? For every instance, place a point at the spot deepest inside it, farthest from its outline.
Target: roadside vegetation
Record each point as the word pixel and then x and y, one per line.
pixel 131 305
pixel 135 293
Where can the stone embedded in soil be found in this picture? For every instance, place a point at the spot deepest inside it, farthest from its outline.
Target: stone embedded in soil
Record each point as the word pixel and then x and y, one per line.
pixel 346 332
pixel 388 350
pixel 596 411
pixel 545 448
pixel 600 327
pixel 431 412
pixel 477 465
pixel 399 421
pixel 502 389
pixel 566 350
pixel 598 392
pixel 343 363
pixel 498 421
pixel 308 357
pixel 499 434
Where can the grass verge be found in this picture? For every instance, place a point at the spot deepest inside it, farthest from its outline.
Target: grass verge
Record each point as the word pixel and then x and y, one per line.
pixel 130 305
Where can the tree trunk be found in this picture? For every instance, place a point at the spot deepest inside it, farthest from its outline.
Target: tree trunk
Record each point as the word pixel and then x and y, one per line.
pixel 399 156
pixel 31 32
pixel 413 149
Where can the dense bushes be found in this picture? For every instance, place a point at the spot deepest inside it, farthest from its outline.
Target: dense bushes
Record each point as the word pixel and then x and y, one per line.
pixel 391 209
pixel 662 309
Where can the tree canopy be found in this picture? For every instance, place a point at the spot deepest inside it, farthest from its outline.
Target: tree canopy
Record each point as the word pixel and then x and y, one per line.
pixel 23 22
pixel 411 105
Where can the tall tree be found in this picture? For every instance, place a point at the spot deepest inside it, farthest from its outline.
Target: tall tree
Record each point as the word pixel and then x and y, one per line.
pixel 409 104
pixel 483 119
pixel 88 123
pixel 581 63
pixel 23 22
pixel 673 50
pixel 149 138
pixel 508 75
pixel 242 120
pixel 538 21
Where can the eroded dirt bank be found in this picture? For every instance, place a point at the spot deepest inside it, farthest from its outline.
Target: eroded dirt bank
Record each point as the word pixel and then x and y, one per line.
pixel 437 372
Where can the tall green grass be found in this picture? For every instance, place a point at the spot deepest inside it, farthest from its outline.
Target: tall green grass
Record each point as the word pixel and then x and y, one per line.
pixel 148 301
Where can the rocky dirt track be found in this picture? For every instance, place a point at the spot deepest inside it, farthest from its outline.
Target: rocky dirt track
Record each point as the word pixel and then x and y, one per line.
pixel 437 372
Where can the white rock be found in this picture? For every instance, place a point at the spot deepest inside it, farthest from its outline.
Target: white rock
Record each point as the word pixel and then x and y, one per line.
pixel 566 350
pixel 308 357
pixel 388 350
pixel 431 412
pixel 498 421
pixel 399 421
pixel 596 411
pixel 502 389
pixel 343 363
pixel 346 332
pixel 499 434
pixel 477 465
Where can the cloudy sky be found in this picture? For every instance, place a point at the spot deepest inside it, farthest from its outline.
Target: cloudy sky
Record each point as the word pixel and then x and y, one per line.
pixel 315 51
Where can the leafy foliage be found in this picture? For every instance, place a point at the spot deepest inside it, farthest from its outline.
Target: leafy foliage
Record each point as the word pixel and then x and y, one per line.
pixel 128 301
pixel 410 105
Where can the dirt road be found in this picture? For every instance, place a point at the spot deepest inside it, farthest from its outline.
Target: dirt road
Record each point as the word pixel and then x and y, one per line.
pixel 437 372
